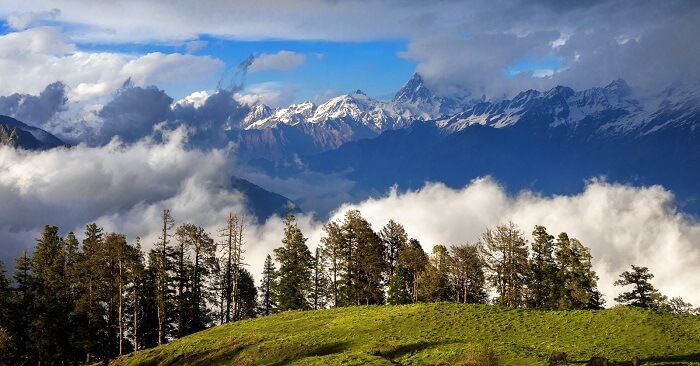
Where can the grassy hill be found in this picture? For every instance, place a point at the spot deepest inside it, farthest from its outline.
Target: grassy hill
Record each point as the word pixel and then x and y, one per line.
pixel 436 334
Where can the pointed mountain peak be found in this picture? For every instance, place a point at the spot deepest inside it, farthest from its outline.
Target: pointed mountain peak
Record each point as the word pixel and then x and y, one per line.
pixel 619 86
pixel 359 92
pixel 413 91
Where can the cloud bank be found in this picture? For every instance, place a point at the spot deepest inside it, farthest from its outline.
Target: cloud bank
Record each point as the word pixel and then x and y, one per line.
pixel 124 187
pixel 36 57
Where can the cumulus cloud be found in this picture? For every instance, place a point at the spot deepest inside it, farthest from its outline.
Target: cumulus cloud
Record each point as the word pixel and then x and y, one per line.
pixel 34 58
pixel 282 60
pixel 272 94
pixel 121 186
pixel 35 109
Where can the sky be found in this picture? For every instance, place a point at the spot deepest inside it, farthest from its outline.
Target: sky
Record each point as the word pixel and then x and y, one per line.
pixel 91 70
pixel 314 49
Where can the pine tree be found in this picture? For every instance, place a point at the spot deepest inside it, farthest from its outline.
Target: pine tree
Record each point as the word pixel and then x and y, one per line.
pixel 411 264
pixel 394 237
pixel 22 310
pixel 162 267
pixel 368 261
pixel 92 339
pixel 267 289
pixel 319 282
pixel 543 284
pixel 433 283
pixel 467 274
pixel 506 256
pixel 294 274
pixel 643 294
pixel 398 294
pixel 247 295
pixel 577 280
pixel 6 339
pixel 232 240
pixel 357 261
pixel 332 248
pixel 194 253
pixel 51 312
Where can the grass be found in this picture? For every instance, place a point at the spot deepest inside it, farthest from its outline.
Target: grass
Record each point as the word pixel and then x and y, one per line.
pixel 436 334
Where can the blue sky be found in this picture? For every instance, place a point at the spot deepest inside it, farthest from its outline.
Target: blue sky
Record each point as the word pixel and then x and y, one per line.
pixel 374 67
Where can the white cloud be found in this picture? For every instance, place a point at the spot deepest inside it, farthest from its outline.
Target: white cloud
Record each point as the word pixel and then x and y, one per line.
pixel 282 60
pixel 32 59
pixel 270 93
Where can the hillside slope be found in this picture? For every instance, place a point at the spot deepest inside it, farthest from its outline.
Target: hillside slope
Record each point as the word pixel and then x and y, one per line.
pixel 435 334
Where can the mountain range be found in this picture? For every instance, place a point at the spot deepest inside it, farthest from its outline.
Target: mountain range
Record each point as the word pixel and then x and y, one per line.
pixel 549 141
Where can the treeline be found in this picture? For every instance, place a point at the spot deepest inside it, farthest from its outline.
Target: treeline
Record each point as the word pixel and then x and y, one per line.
pixel 73 301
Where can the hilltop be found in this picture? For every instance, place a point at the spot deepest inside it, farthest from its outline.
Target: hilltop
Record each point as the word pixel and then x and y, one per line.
pixel 436 334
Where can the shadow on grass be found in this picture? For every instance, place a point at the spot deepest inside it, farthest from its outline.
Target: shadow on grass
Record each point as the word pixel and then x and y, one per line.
pixel 405 349
pixel 321 350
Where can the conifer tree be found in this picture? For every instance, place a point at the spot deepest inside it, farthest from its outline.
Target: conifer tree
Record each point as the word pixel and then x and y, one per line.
pixel 162 267
pixel 294 274
pixel 247 295
pixel 467 274
pixel 6 341
pixel 89 309
pixel 506 255
pixel 411 264
pixel 332 247
pixel 433 283
pixel 544 282
pixel 398 294
pixel 368 262
pixel 51 312
pixel 319 282
pixel 394 237
pixel 22 310
pixel 267 289
pixel 643 294
pixel 577 280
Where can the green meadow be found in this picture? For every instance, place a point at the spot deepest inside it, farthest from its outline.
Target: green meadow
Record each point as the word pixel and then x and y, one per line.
pixel 436 334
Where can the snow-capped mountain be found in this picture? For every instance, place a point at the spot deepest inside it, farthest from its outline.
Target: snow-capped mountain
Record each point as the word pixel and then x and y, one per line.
pixel 339 120
pixel 611 110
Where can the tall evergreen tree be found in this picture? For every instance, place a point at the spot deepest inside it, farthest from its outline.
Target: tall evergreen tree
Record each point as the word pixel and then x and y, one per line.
pixel 577 280
pixel 22 311
pixel 506 254
pixel 643 294
pixel 296 263
pixel 394 237
pixel 433 283
pixel 6 339
pixel 332 246
pixel 89 307
pixel 162 266
pixel 368 262
pixel 51 312
pixel 467 274
pixel 544 282
pixel 247 295
pixel 397 293
pixel 267 289
pixel 411 264
pixel 319 282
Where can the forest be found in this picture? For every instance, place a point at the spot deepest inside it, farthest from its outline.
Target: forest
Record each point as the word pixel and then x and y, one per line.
pixel 77 301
